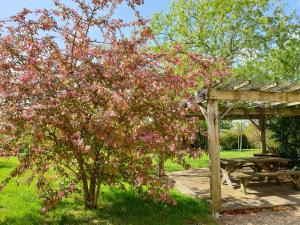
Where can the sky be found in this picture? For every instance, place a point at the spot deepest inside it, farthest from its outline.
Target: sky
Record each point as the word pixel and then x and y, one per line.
pixel 11 7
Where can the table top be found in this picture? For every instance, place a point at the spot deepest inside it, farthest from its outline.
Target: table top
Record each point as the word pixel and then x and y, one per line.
pixel 255 160
pixel 256 155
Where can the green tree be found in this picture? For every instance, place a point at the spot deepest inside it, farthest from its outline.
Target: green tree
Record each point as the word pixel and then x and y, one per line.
pixel 286 131
pixel 257 37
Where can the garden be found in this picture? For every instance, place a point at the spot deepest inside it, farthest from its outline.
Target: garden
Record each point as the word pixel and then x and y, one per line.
pixel 104 103
pixel 20 203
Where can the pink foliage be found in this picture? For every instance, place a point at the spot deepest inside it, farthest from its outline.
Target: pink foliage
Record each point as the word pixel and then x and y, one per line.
pixel 93 106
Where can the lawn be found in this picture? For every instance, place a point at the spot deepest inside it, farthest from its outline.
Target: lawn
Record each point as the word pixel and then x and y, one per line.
pixel 19 205
pixel 203 161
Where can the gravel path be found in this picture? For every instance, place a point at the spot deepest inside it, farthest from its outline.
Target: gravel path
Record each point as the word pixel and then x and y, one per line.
pixel 286 216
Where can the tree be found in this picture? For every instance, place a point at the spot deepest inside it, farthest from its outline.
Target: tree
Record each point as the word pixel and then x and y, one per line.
pixel 202 134
pixel 80 97
pixel 286 131
pixel 257 38
pixel 253 135
pixel 229 140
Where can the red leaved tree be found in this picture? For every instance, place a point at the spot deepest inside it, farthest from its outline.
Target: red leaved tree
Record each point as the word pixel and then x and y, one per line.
pixel 80 97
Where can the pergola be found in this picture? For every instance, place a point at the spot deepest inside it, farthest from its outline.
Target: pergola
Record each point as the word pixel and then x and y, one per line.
pixel 242 100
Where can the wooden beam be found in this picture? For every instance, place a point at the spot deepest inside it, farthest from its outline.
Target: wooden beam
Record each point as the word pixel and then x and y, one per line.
pixel 277 103
pixel 269 86
pixel 226 111
pixel 255 124
pixel 264 111
pixel 257 104
pixel 241 85
pixel 216 83
pixel 252 113
pixel 294 88
pixel 203 110
pixel 262 126
pixel 214 155
pixel 293 104
pixel 253 96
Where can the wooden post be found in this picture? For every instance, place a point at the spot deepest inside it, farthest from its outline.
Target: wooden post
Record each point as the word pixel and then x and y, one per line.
pixel 214 155
pixel 262 127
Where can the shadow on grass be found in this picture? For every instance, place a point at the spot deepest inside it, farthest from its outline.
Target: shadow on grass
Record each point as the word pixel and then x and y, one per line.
pixel 130 209
pixel 27 219
pixel 116 208
pixel 7 165
pixel 124 208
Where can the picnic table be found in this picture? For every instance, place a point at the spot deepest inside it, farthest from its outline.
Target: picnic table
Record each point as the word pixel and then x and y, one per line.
pixel 268 164
pixel 259 155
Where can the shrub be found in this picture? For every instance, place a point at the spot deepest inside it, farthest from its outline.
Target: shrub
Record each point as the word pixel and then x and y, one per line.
pixel 286 131
pixel 229 140
pixel 83 98
pixel 96 108
pixel 201 141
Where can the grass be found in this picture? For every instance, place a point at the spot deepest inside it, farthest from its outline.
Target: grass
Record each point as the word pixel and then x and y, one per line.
pixel 203 161
pixel 19 205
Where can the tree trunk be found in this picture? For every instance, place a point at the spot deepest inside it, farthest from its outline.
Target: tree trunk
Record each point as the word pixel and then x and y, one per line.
pixel 90 204
pixel 241 136
pixel 88 191
pixel 91 201
pixel 97 196
pixel 161 166
pixel 92 191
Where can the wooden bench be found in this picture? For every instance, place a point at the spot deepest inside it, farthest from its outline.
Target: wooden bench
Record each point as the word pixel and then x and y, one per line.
pixel 246 177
